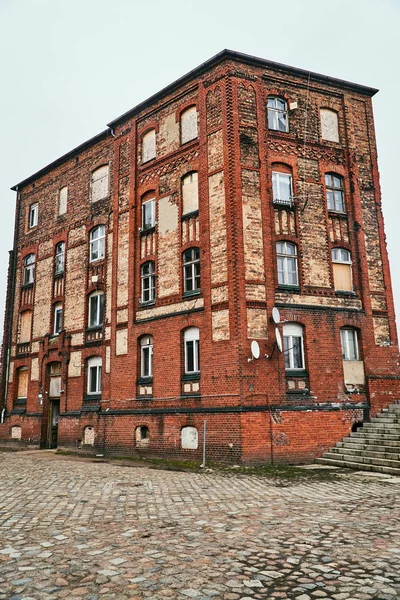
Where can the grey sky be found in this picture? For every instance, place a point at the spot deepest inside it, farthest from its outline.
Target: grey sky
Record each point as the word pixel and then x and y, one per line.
pixel 70 66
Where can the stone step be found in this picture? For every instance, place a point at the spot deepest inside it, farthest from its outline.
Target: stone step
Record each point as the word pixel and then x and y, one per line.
pixel 374 436
pixel 394 408
pixel 392 428
pixel 385 419
pixel 358 466
pixel 369 447
pixel 367 460
pixel 368 453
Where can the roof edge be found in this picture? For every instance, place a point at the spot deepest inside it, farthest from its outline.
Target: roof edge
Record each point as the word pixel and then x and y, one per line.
pixel 55 163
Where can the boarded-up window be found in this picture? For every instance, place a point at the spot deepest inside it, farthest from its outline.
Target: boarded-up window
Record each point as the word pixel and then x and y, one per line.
pixel 99 183
pixel 22 382
pixel 342 276
pixel 16 432
pixel 25 327
pixel 329 125
pixel 189 438
pixel 62 200
pixel 190 193
pixel 189 125
pixel 88 436
pixel 149 145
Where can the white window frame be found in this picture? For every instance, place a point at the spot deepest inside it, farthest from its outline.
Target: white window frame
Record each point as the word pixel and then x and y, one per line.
pixel 96 319
pixel 146 347
pixel 33 215
pixel 331 188
pixel 97 244
pixel 345 343
pixel 58 318
pixel 191 270
pixel 291 331
pixel 59 258
pixel 148 209
pixel 94 365
pixel 277 184
pixel 188 180
pixel 98 182
pixel 148 282
pixel 283 259
pixel 191 338
pixel 273 113
pixel 29 269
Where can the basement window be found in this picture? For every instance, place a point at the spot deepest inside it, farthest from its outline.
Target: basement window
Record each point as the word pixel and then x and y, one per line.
pixel 142 435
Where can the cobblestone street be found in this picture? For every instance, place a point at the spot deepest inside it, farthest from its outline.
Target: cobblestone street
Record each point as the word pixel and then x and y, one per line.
pixel 96 531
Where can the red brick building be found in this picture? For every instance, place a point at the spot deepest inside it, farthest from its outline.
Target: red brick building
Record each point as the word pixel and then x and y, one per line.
pixel 147 260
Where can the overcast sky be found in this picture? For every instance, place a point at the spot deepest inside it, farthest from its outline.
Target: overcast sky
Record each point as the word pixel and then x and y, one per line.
pixel 68 67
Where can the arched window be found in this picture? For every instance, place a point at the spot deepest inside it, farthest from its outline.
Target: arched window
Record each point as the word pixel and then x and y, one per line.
pixel 293 346
pixel 191 270
pixel 189 124
pixel 99 183
pixel 334 192
pixel 342 275
pixel 62 200
pixel 277 114
pixel 146 356
pixel 349 342
pixel 29 269
pixel 96 309
pixel 329 125
pixel 97 243
pixel 149 145
pixel 148 282
pixel 58 318
pixel 191 340
pixel 286 254
pixel 190 193
pixel 94 375
pixel 148 212
pixel 282 189
pixel 59 258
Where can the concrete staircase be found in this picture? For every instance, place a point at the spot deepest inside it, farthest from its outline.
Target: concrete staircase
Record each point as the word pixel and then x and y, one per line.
pixel 373 447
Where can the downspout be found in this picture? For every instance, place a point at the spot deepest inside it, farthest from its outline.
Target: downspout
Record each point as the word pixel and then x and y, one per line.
pixel 10 305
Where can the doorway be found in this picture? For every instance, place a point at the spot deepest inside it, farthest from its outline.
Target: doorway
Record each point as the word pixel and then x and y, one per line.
pixel 53 394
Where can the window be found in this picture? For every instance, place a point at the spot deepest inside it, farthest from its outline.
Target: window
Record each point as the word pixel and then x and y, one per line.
pixel 97 243
pixel 29 269
pixel 277 114
pixel 88 436
pixel 22 388
pixel 334 192
pixel 33 215
pixel 25 326
pixel 190 193
pixel 349 341
pixel 146 356
pixel 149 145
pixel 191 270
pixel 329 125
pixel 59 258
pixel 148 282
pixel 148 214
pixel 293 346
pixel 192 350
pixel 282 188
pixel 286 254
pixel 96 309
pixel 142 435
pixel 99 183
pixel 62 200
pixel 342 276
pixel 57 318
pixel 94 375
pixel 189 125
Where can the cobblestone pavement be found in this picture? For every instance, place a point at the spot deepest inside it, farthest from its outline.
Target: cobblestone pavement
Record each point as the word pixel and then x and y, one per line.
pixel 85 531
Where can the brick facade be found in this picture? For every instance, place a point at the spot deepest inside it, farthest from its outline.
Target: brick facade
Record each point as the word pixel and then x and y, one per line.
pixel 256 410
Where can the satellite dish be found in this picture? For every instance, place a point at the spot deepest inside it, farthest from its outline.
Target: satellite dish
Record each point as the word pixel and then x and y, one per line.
pixel 278 339
pixel 255 349
pixel 276 315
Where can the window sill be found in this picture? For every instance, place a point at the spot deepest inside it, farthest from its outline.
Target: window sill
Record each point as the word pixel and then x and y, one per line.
pixel 288 288
pixel 94 328
pixel 191 376
pixel 147 161
pixel 144 381
pixel 147 231
pixel 191 293
pixel 59 275
pixel 96 261
pixel 190 215
pixel 92 397
pixel 337 213
pixel 146 303
pixel 344 293
pixel 27 286
pixel 287 204
pixel 296 373
pixel 99 199
pixel 188 141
